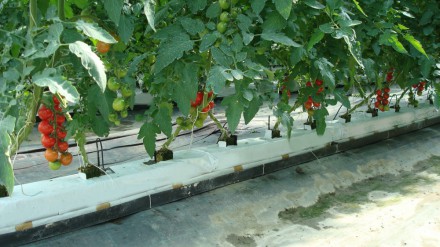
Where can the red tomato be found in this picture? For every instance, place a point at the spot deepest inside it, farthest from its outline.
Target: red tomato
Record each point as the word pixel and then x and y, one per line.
pixel 60 119
pixel 102 47
pixel 55 100
pixel 320 89
pixel 62 146
pixel 47 141
pixel 308 105
pixel 376 104
pixel 210 93
pixel 60 133
pixel 316 104
pixel 308 84
pixel 45 113
pixel 387 90
pixel 198 101
pixel 319 82
pixel 45 127
pixel 58 108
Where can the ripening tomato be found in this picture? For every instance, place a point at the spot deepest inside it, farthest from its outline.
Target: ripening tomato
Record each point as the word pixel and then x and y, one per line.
pixel 60 119
pixel 316 104
pixel 54 165
pixel 51 155
pixel 60 133
pixel 47 141
pixel 320 89
pixel 102 47
pixel 62 146
pixel 210 93
pixel 56 101
pixel 308 105
pixel 66 159
pixel 318 82
pixel 198 101
pixel 45 113
pixel 45 127
pixel 58 108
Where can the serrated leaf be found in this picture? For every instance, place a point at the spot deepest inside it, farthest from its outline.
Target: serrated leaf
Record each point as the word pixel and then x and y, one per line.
pixel 163 118
pixel 113 8
pixel 125 28
pixel 317 36
pixel 258 6
pixel 220 57
pixel 185 88
pixel 237 74
pixel 390 39
pixel 98 102
pixel 233 114
pixel 196 5
pixel 147 133
pixel 192 26
pixel 325 69
pixel 91 62
pixel 53 37
pixel 327 27
pixel 94 31
pixel 284 7
pixel 274 22
pixel 279 38
pixel 172 50
pixel 415 43
pixel 213 10
pixel 207 41
pixel 314 4
pixel 237 43
pixel 252 109
pixel 149 12
pixel 341 97
pixel 358 6
pixel 6 171
pixel 56 84
pixel 216 79
pixel 297 55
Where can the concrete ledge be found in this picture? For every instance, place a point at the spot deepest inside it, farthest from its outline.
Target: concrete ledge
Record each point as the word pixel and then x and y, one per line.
pixel 69 203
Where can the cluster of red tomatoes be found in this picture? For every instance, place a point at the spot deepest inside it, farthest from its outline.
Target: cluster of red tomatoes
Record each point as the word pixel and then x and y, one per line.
pixel 310 104
pixel 199 100
pixel 420 87
pixel 382 99
pixel 389 76
pixel 53 133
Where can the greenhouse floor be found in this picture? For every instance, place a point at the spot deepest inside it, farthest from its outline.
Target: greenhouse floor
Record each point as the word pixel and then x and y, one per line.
pixel 384 194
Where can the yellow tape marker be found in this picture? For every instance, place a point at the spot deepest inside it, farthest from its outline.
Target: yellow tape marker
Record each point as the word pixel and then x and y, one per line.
pixel 285 156
pixel 238 168
pixel 177 186
pixel 103 206
pixel 24 226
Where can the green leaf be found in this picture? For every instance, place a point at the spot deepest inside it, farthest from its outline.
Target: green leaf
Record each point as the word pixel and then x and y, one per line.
pixel 390 39
pixel 192 26
pixel 147 133
pixel 341 97
pixel 252 109
pixel 98 102
pixel 53 38
pixel 171 50
pixel 334 4
pixel 317 36
pixel 319 116
pixel 327 27
pixel 163 118
pixel 7 126
pixel 414 42
pixel 91 62
pixel 149 12
pixel 186 88
pixel 296 55
pixel 325 69
pixel 207 41
pixel 216 79
pixel 274 22
pixel 359 7
pixel 233 113
pixel 220 57
pixel 94 31
pixel 125 28
pixel 258 6
pixel 213 11
pixel 284 7
pixel 314 4
pixel 237 74
pixel 56 84
pixel 113 8
pixel 196 5
pixel 279 38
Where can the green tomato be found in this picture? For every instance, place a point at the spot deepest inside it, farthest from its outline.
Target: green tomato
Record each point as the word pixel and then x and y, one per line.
pixel 199 123
pixel 124 113
pixel 261 50
pixel 113 84
pixel 180 120
pixel 235 12
pixel 117 122
pixel 55 165
pixel 120 72
pixel 113 117
pixel 221 27
pixel 151 59
pixel 224 17
pixel 224 4
pixel 118 104
pixel 234 2
pixel 126 92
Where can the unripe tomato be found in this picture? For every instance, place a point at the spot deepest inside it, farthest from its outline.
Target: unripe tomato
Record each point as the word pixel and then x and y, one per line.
pixel 221 27
pixel 113 84
pixel 66 159
pixel 120 72
pixel 118 104
pixel 63 146
pixel 126 91
pixel 224 17
pixel 151 59
pixel 54 165
pixel 224 4
pixel 47 141
pixel 102 47
pixel 113 117
pixel 44 127
pixel 45 113
pixel 124 113
pixel 51 155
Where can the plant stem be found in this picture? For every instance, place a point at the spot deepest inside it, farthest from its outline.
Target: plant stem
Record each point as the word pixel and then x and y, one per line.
pixel 401 96
pixel 80 138
pixel 224 133
pixel 32 14
pixel 359 104
pixel 61 14
pixel 173 137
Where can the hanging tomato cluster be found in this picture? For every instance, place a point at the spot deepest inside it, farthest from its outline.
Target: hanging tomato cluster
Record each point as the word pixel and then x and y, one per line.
pixel 311 104
pixel 382 99
pixel 53 133
pixel 419 87
pixel 199 101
